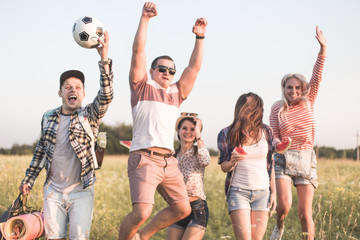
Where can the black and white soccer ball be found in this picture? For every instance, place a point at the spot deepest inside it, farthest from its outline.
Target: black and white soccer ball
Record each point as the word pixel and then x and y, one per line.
pixel 87 30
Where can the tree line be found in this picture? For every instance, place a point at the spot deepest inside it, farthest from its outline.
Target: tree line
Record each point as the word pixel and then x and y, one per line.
pixel 123 131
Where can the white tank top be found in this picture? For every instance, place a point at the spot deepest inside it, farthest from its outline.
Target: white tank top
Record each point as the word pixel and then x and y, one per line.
pixel 251 173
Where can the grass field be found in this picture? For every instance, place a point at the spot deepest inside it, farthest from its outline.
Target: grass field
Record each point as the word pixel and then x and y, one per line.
pixel 336 203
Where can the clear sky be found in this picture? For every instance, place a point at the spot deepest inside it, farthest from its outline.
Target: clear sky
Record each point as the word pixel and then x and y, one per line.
pixel 249 46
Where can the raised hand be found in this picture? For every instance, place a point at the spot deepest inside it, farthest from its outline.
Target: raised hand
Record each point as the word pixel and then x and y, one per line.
pixel 149 10
pixel 104 48
pixel 200 27
pixel 198 127
pixel 322 40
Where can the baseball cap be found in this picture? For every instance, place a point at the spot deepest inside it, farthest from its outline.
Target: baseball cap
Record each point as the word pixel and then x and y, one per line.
pixel 71 73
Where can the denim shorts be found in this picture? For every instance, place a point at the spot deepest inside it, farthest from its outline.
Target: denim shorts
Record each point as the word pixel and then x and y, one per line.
pixel 198 217
pixel 61 209
pixel 255 200
pixel 280 171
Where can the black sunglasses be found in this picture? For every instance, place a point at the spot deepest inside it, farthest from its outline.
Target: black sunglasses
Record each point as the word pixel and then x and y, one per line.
pixel 163 68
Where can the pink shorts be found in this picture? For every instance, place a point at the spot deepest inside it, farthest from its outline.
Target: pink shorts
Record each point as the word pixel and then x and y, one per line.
pixel 148 172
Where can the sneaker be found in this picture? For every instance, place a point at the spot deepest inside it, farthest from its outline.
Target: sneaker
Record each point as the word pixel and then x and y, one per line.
pixel 277 234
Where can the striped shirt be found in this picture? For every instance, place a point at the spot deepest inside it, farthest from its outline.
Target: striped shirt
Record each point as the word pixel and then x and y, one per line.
pixel 78 137
pixel 299 121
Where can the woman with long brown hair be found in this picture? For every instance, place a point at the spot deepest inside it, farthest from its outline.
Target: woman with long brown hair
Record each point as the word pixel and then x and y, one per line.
pixel 246 156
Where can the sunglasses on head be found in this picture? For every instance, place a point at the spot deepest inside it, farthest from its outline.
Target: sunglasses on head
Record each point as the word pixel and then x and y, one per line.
pixel 185 114
pixel 163 68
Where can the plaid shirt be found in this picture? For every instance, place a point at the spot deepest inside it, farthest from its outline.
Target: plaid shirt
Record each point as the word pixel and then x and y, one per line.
pixel 78 137
pixel 225 153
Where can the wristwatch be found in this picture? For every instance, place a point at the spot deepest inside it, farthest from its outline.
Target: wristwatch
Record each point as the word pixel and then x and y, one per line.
pixel 200 138
pixel 106 62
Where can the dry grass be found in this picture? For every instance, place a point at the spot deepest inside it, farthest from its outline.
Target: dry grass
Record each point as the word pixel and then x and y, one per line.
pixel 336 202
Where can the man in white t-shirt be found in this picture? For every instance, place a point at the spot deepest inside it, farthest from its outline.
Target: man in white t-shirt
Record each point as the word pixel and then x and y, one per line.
pixel 155 102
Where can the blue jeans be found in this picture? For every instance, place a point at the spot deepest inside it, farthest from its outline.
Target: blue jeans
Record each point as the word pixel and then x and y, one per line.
pixel 73 208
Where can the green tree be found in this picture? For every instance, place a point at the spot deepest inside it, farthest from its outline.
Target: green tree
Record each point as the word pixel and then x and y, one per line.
pixel 114 135
pixel 21 149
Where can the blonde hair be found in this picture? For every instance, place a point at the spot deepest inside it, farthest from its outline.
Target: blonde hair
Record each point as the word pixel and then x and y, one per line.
pixel 284 104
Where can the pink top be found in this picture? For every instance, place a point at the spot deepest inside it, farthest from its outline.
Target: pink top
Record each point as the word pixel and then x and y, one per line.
pixel 193 168
pixel 299 121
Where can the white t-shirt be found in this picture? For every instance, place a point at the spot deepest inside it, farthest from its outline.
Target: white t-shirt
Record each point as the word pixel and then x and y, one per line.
pixel 65 169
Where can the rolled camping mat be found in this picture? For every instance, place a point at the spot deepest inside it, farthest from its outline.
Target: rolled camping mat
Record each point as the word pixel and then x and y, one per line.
pixel 18 207
pixel 17 204
pixel 24 227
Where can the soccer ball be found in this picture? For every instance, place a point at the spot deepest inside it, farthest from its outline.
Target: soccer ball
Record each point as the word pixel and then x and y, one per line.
pixel 87 30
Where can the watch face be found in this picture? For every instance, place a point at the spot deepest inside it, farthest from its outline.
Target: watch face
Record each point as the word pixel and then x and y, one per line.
pixel 105 62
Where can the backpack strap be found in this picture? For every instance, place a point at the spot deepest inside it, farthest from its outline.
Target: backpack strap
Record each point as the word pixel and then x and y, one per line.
pixel 46 118
pixel 268 134
pixel 86 125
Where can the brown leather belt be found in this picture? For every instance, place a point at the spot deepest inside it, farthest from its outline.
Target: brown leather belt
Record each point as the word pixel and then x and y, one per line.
pixel 165 155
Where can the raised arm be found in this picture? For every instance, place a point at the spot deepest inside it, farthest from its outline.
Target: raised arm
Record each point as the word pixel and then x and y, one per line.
pixel 103 51
pixel 203 155
pixel 189 75
pixel 322 41
pixel 138 59
pixel 316 77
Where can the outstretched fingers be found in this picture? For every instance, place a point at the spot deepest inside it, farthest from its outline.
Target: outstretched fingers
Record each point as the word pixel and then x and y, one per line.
pixel 320 37
pixel 104 47
pixel 104 42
